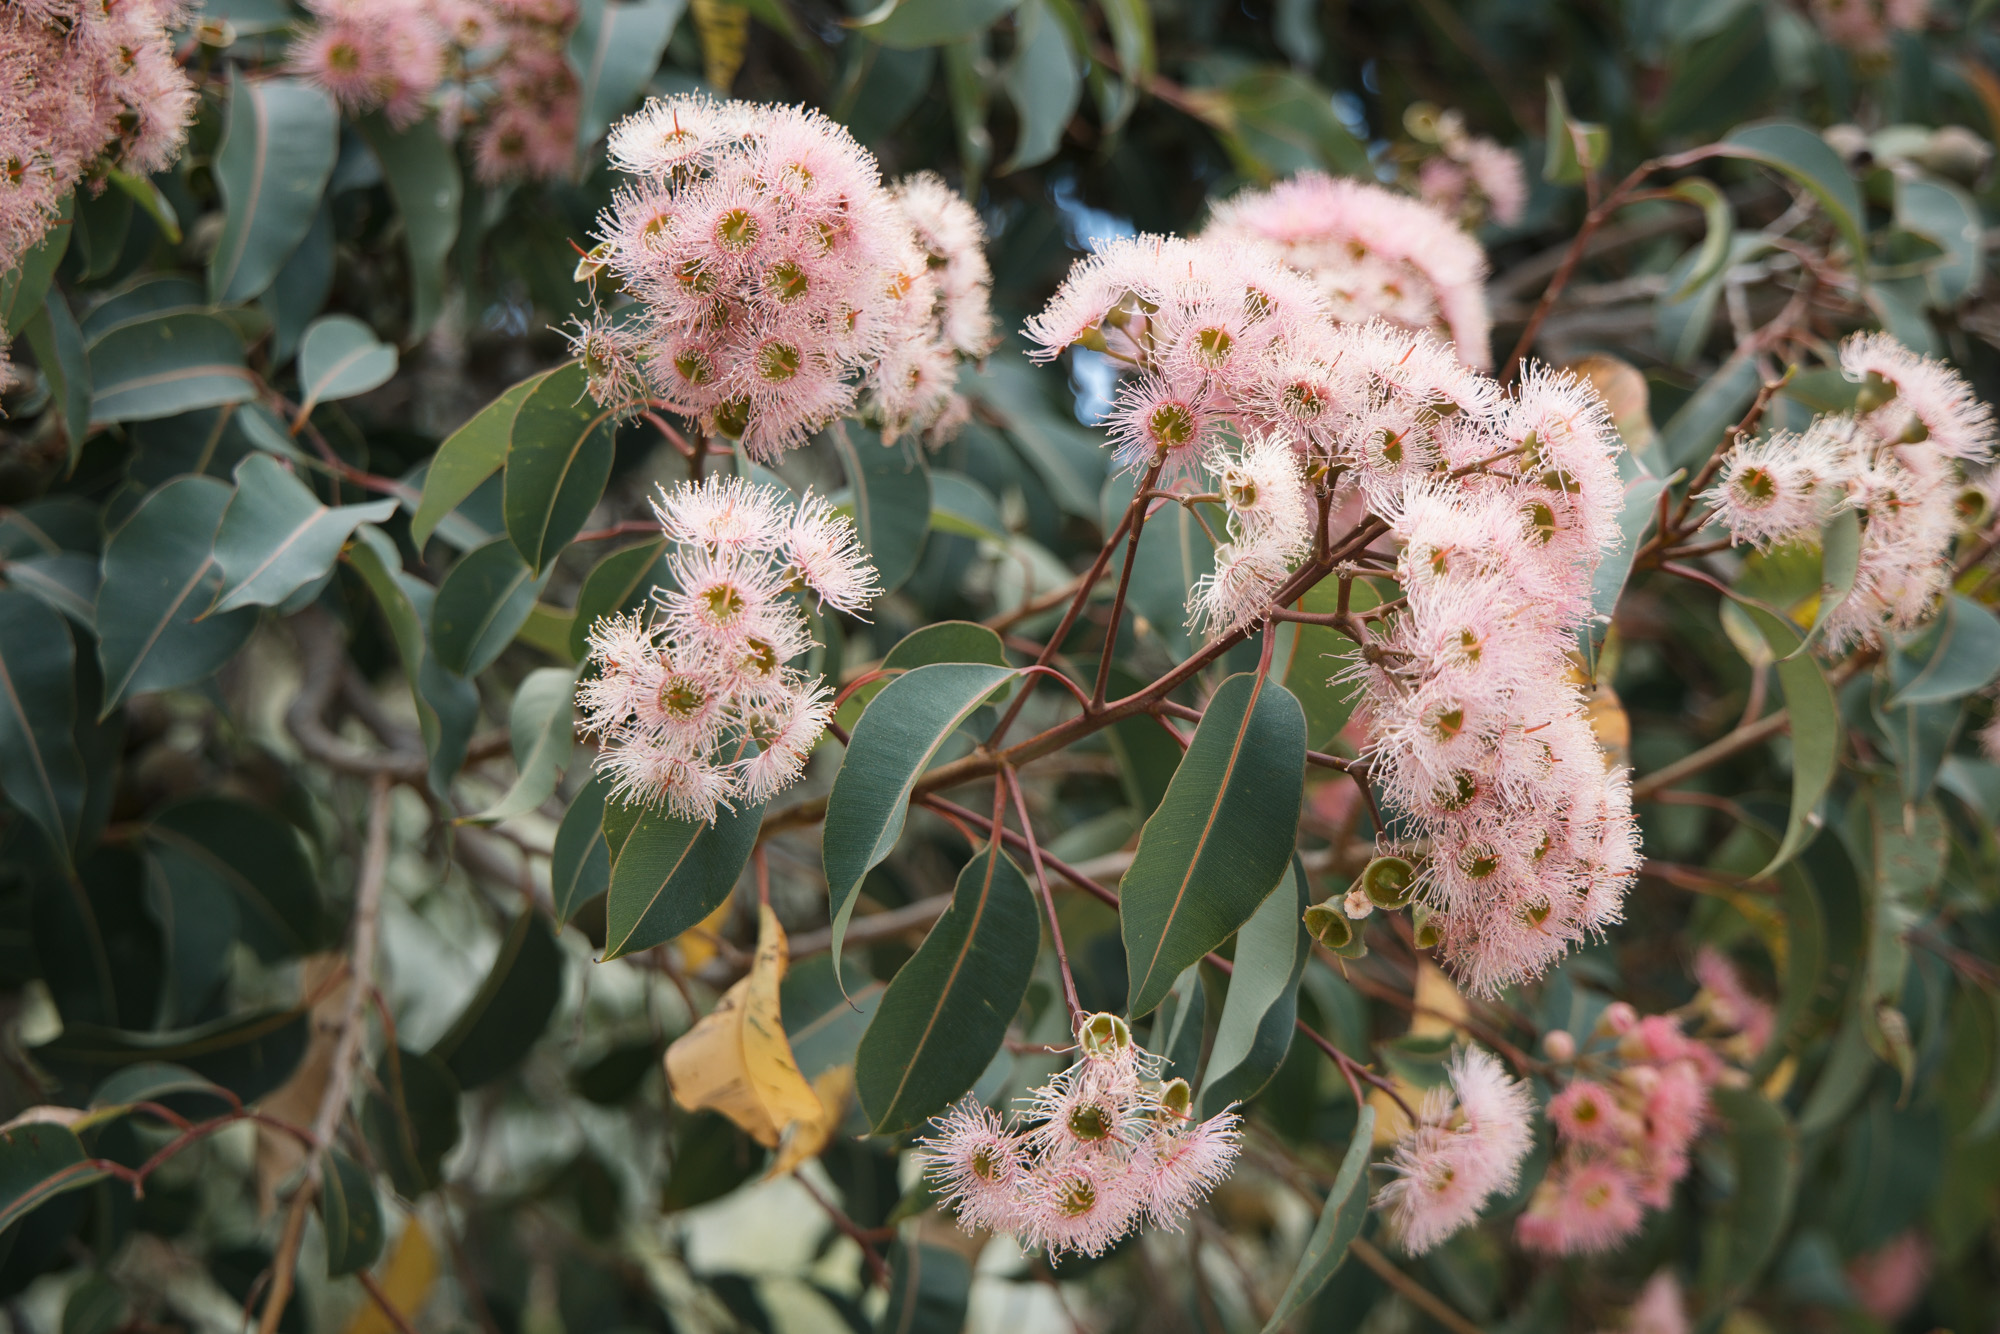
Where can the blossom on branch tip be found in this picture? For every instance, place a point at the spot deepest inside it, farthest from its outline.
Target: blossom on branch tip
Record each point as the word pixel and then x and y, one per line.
pixel 1466 1147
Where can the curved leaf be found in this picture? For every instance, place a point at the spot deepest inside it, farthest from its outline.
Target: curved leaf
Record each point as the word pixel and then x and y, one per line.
pixel 1220 841
pixel 158 576
pixel 166 365
pixel 946 1011
pixel 558 458
pixel 468 456
pixel 1839 563
pixel 41 769
pixel 350 1214
pixel 907 24
pixel 447 705
pixel 962 506
pixel 888 751
pixel 340 357
pixel 890 491
pixel 24 287
pixel 1319 653
pixel 247 1054
pixel 1044 83
pixel 277 154
pixel 65 364
pixel 667 873
pixel 510 1009
pixel 482 603
pixel 1964 656
pixel 623 581
pixel 930 1289
pixel 615 49
pixel 276 537
pixel 411 1118
pixel 1765 1148
pixel 944 641
pixel 1800 153
pixel 421 171
pixel 580 864
pixel 1340 1220
pixel 542 728
pixel 1256 1027
pixel 1815 729
pixel 40 1160
pixel 259 860
pixel 1719 221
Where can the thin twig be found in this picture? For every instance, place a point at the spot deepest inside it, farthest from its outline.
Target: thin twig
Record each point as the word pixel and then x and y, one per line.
pixel 1412 1291
pixel 1013 785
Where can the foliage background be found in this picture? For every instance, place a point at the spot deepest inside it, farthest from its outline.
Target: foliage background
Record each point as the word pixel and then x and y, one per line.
pixel 525 1167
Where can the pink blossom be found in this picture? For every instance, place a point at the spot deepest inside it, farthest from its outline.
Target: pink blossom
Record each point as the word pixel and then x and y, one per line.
pixel 1660 1309
pixel 977 1162
pixel 1888 1282
pixel 1466 1147
pixel 1581 1208
pixel 1587 1113
pixel 1730 1003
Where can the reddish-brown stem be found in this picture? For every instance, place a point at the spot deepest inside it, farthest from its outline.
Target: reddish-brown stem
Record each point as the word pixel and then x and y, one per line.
pixel 1136 525
pixel 1013 783
pixel 850 1229
pixel 382 1302
pixel 1076 606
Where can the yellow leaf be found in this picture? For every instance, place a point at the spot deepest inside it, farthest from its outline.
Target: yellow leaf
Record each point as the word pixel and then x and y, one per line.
pixel 1623 388
pixel 724 30
pixel 406 1283
pixel 1609 722
pixel 322 981
pixel 805 1140
pixel 697 943
pixel 1440 1009
pixel 737 1060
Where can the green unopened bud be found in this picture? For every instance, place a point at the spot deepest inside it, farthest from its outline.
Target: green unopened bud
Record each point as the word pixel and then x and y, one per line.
pixel 1875 391
pixel 1973 506
pixel 1329 924
pixel 1388 881
pixel 1424 927
pixel 1104 1035
pixel 1176 1097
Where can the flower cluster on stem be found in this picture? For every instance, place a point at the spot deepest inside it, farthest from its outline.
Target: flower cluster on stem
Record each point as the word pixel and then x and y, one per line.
pixel 1628 1115
pixel 1897 460
pixel 774 280
pixel 697 701
pixel 1104 1147
pixel 1466 1147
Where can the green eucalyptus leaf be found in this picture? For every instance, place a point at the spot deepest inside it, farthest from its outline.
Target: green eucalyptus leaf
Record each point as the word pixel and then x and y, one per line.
pixel 887 753
pixel 276 537
pixel 59 351
pixel 248 1054
pixel 24 287
pixel 1319 653
pixel 614 50
pixel 41 769
pixel 1800 153
pixel 350 1215
pixel 1221 841
pixel 340 357
pixel 1576 148
pixel 667 873
pixel 930 1290
pixel 40 1160
pixel 890 492
pixel 542 728
pixel 166 365
pixel 511 1008
pixel 410 1118
pixel 421 171
pixel 159 576
pixel 1256 1027
pixel 481 605
pixel 962 506
pixel 447 704
pixel 946 1011
pixel 277 153
pixel 1764 1147
pixel 65 582
pixel 1044 82
pixel 558 458
pixel 907 24
pixel 257 860
pixel 1964 656
pixel 1340 1220
pixel 468 456
pixel 580 864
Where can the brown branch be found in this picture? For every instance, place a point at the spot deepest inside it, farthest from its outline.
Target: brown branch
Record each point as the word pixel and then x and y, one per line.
pixel 1412 1291
pixel 346 1052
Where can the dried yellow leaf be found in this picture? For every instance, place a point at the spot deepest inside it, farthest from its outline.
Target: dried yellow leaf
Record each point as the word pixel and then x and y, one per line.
pixel 737 1060
pixel 697 943
pixel 406 1283
pixel 724 30
pixel 323 981
pixel 805 1140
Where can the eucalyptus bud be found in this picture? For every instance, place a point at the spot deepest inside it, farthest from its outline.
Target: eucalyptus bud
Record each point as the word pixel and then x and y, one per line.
pixel 1424 928
pixel 1388 882
pixel 1330 925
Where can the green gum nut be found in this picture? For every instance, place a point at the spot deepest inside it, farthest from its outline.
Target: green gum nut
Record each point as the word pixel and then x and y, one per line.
pixel 1176 1097
pixel 1329 925
pixel 1104 1035
pixel 1388 882
pixel 1424 928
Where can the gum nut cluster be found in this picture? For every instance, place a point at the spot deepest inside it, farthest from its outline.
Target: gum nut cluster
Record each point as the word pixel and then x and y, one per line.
pixel 1897 460
pixel 498 65
pixel 1466 1147
pixel 774 278
pixel 1625 1123
pixel 1372 252
pixel 1103 1148
pixel 1476 730
pixel 696 703
pixel 84 87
